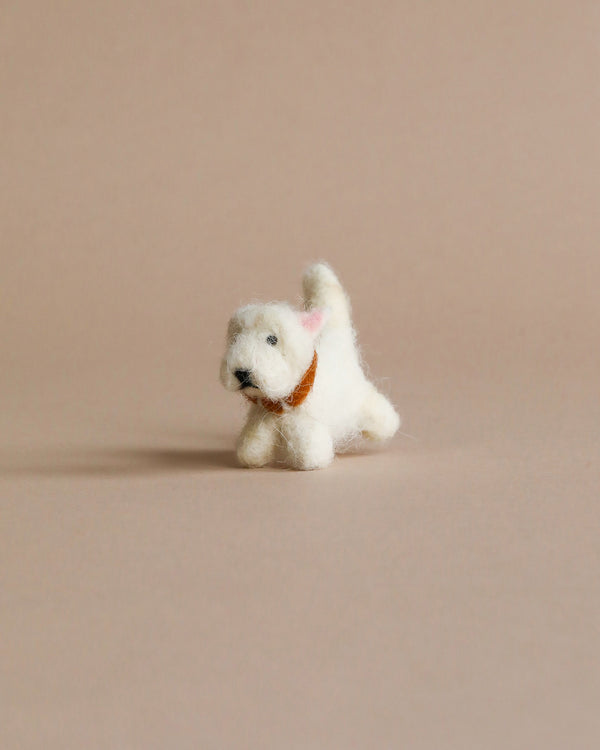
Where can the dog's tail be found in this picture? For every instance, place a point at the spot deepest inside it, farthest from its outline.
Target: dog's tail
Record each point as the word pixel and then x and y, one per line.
pixel 322 288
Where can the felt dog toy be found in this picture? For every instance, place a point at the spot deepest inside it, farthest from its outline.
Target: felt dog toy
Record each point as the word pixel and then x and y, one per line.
pixel 301 374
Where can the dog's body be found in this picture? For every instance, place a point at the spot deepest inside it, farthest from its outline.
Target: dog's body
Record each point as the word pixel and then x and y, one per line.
pixel 302 373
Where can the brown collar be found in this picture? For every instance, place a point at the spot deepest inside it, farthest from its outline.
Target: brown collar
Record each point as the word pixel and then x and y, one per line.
pixel 296 397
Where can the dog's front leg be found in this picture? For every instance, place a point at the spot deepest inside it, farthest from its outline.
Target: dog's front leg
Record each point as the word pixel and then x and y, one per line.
pixel 308 442
pixel 256 443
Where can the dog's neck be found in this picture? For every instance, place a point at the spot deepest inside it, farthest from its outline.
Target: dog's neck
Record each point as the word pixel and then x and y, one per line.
pixel 296 397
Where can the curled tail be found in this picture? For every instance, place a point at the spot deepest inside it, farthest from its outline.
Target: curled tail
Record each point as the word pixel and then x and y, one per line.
pixel 322 288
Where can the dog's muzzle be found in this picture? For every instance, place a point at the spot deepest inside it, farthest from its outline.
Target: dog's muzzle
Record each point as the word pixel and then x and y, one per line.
pixel 244 379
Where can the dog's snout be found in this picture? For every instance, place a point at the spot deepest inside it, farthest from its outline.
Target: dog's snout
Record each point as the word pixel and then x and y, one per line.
pixel 243 376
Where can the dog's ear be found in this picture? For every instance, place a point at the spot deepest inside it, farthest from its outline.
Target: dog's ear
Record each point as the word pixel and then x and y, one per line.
pixel 314 320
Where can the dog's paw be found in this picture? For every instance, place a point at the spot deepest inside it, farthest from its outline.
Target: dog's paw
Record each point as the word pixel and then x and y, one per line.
pixel 316 453
pixel 253 453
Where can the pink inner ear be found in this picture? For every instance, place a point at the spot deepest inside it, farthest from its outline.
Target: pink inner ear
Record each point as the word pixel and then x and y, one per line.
pixel 312 320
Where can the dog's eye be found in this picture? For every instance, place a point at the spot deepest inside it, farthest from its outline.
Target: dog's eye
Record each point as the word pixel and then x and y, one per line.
pixel 272 339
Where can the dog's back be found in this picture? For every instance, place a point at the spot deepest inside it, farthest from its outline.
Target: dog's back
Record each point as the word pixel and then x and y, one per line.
pixel 340 384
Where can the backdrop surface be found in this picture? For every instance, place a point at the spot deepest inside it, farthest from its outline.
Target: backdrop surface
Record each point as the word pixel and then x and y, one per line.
pixel 160 166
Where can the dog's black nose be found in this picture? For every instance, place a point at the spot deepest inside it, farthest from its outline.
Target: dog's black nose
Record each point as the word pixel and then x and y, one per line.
pixel 243 376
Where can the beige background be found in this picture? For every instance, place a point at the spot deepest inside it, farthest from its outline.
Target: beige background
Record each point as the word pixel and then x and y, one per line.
pixel 161 164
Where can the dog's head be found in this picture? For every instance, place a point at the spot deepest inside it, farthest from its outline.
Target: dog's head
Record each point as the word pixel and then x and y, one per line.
pixel 269 348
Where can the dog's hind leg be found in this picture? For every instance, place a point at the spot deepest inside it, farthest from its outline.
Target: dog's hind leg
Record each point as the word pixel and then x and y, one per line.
pixel 378 420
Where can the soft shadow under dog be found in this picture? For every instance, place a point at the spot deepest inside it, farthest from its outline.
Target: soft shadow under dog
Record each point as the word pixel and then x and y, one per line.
pixel 110 462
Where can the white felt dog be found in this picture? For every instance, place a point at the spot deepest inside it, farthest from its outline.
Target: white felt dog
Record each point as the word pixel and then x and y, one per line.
pixel 302 374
